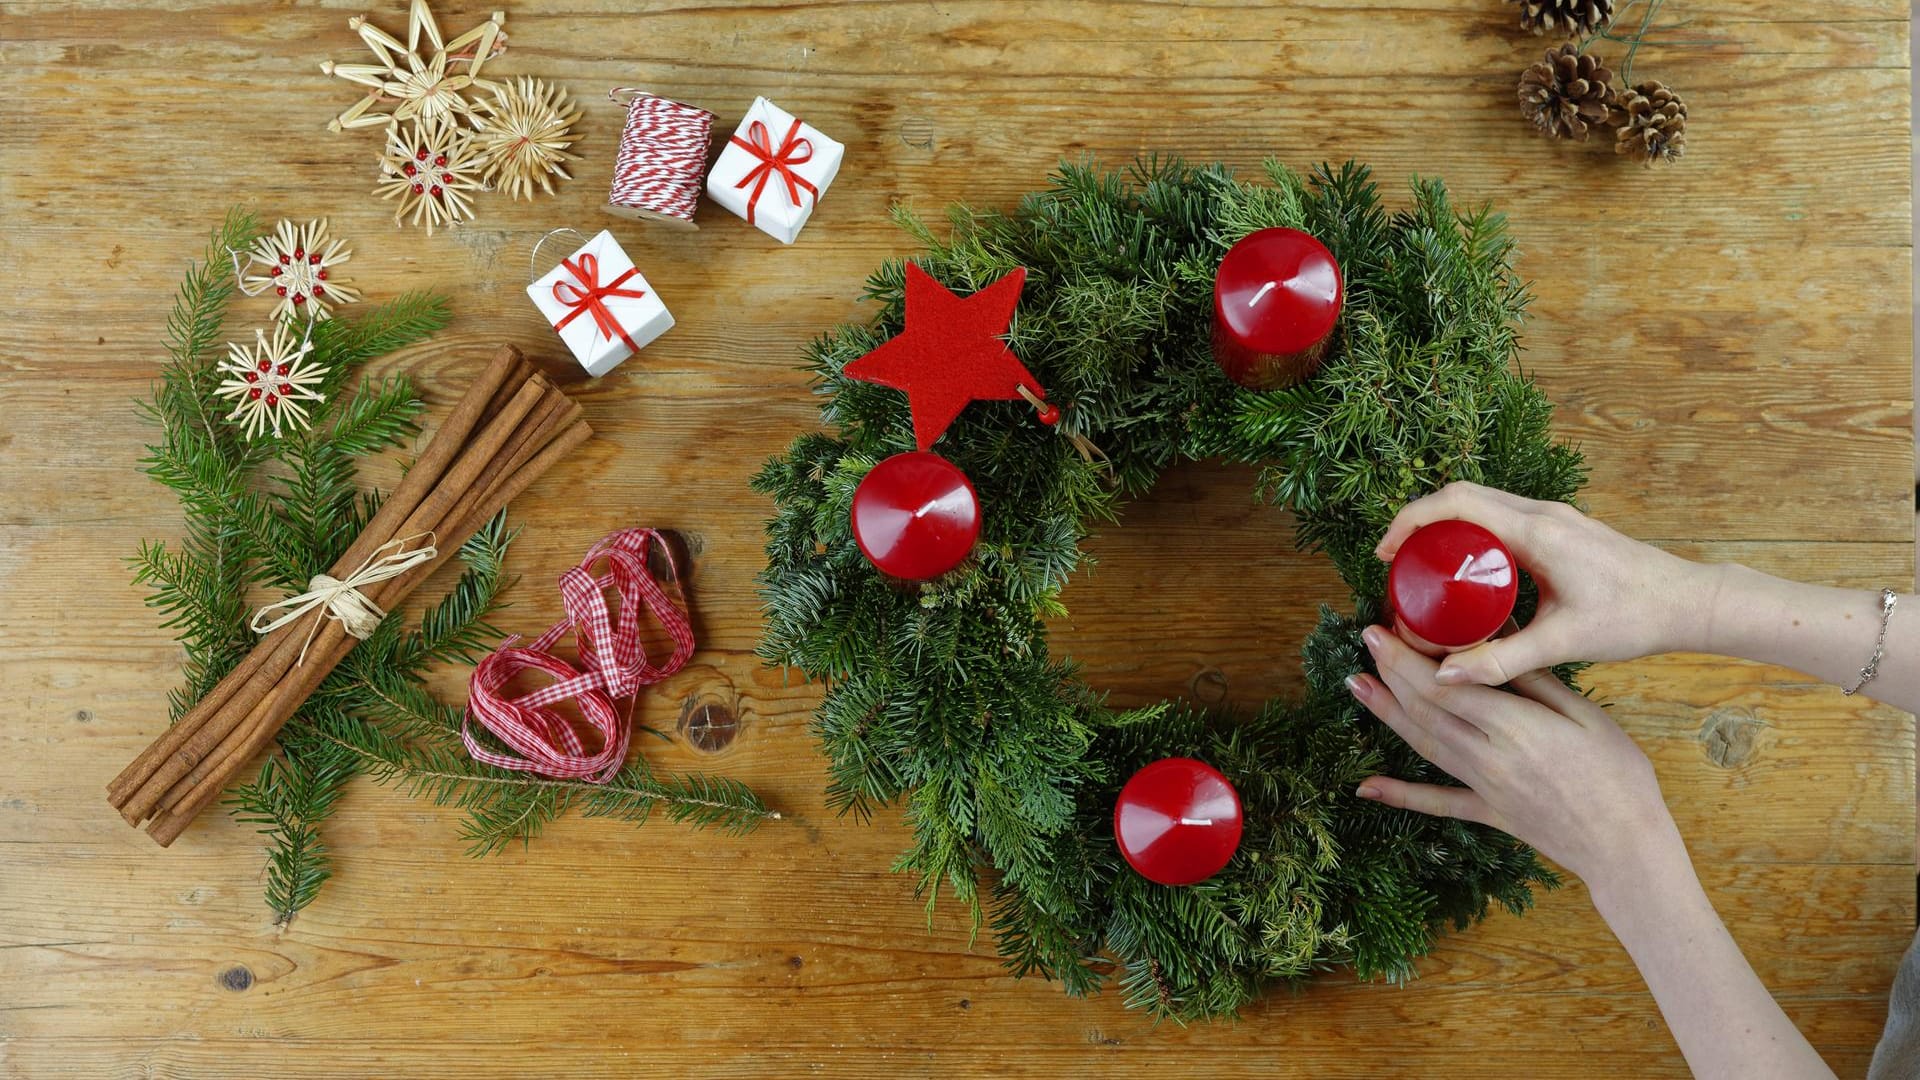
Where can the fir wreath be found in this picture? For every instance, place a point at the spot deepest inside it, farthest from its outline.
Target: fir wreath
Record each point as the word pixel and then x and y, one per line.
pixel 945 696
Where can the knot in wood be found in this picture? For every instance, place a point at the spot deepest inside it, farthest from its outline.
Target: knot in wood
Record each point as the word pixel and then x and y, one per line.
pixel 708 726
pixel 237 979
pixel 1731 737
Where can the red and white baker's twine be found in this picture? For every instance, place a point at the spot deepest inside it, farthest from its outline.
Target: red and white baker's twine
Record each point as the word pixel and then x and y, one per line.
pixel 610 650
pixel 663 152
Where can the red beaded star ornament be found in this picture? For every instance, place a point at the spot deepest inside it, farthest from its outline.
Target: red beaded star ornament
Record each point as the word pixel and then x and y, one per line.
pixel 431 166
pixel 269 381
pixel 301 265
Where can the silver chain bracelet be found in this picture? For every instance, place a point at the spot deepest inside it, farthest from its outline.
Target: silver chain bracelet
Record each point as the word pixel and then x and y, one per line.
pixel 1887 599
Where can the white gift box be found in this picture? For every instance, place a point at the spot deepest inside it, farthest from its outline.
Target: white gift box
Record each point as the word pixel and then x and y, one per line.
pixel 774 170
pixel 601 306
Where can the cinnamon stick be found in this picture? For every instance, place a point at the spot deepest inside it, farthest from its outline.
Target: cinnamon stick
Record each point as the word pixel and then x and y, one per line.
pixel 329 639
pixel 169 783
pixel 267 719
pixel 143 784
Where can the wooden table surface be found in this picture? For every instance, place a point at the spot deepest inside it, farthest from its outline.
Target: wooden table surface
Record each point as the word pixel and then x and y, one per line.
pixel 1728 340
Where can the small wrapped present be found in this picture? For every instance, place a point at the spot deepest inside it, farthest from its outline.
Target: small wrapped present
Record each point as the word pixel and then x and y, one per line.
pixel 600 305
pixel 773 170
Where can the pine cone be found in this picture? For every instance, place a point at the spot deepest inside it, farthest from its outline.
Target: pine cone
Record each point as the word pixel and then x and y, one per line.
pixel 1565 18
pixel 1653 124
pixel 1567 92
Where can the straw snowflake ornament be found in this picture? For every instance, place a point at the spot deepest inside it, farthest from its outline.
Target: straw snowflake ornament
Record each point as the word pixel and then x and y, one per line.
pixel 269 381
pixel 301 264
pixel 427 87
pixel 523 132
pixel 431 167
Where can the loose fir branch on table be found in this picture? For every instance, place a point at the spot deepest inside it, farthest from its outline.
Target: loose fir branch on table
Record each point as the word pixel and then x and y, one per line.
pixel 945 697
pixel 269 514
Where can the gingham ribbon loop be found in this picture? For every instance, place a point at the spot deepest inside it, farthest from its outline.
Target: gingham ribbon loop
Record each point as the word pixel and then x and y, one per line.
pixel 793 150
pixel 613 664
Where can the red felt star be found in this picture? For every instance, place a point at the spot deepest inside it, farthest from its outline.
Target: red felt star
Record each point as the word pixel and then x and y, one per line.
pixel 950 352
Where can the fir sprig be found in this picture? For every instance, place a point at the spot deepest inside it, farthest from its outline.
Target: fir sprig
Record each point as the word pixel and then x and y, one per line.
pixel 504 808
pixel 294 792
pixel 944 698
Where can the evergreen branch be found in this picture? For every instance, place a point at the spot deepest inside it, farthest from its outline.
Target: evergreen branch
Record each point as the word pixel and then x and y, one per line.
pixel 379 414
pixel 456 629
pixel 343 344
pixel 504 807
pixel 295 791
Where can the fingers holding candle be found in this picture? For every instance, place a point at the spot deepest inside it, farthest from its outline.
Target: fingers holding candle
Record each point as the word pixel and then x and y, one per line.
pixel 1452 586
pixel 1603 596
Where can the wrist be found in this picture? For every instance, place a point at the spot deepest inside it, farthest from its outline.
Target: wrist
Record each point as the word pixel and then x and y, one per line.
pixel 1645 880
pixel 1706 624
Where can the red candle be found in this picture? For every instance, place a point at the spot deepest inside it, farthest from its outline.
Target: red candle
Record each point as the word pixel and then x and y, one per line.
pixel 1452 586
pixel 916 516
pixel 1276 299
pixel 1177 821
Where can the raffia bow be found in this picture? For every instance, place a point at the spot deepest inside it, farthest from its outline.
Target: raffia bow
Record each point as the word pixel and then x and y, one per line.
pixel 341 600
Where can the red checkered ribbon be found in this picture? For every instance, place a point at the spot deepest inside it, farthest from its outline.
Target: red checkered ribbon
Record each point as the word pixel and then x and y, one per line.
pixel 611 654
pixel 794 150
pixel 591 300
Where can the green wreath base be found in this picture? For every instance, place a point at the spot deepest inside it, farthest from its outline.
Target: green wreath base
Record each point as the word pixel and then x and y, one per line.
pixel 944 697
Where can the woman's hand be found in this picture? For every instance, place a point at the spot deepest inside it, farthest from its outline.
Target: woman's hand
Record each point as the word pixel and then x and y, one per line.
pixel 1602 596
pixel 1546 765
pixel 1541 763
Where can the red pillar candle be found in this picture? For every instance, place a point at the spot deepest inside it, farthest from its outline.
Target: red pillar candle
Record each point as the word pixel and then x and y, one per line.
pixel 1177 821
pixel 1451 586
pixel 916 516
pixel 1276 299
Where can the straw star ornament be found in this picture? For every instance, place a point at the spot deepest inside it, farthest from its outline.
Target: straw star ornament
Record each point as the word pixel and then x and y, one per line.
pixel 430 86
pixel 269 381
pixel 300 263
pixel 523 132
pixel 431 166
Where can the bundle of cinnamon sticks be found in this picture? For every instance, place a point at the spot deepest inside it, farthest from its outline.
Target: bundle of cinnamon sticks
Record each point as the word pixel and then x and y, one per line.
pixel 509 428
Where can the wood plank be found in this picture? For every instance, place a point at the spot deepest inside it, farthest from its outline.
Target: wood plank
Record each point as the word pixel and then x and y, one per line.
pixel 1729 341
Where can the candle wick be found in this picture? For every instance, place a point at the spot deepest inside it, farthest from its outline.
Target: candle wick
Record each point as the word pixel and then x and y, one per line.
pixel 1264 290
pixel 1196 821
pixel 1466 565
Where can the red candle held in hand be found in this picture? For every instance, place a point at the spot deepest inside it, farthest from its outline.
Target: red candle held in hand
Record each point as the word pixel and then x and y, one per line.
pixel 1177 821
pixel 916 516
pixel 1452 586
pixel 1276 299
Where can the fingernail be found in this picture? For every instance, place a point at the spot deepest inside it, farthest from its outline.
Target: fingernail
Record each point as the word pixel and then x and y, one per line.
pixel 1450 674
pixel 1371 635
pixel 1357 687
pixel 1368 791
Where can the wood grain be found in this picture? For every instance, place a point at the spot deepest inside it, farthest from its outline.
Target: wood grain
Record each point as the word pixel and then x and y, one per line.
pixel 1729 341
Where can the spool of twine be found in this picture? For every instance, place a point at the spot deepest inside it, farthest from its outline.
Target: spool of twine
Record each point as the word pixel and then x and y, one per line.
pixel 662 159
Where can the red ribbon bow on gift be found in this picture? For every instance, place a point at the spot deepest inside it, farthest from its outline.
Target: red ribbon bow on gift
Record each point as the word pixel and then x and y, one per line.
pixel 611 653
pixel 587 270
pixel 794 150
